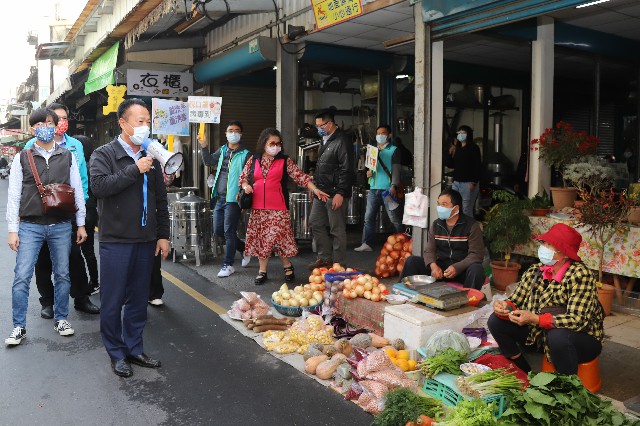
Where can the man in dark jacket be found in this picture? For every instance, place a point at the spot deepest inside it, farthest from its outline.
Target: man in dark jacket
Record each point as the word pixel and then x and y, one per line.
pixel 334 175
pixel 454 250
pixel 133 228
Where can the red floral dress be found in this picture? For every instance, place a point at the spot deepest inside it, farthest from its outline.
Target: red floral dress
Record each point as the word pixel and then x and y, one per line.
pixel 269 231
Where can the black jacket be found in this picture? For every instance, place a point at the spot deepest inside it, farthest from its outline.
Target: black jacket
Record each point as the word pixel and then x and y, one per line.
pixel 466 162
pixel 461 246
pixel 334 169
pixel 117 184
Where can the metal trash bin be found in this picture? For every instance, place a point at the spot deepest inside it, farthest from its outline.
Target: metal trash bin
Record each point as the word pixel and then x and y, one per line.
pixel 356 205
pixel 300 210
pixel 191 231
pixel 173 195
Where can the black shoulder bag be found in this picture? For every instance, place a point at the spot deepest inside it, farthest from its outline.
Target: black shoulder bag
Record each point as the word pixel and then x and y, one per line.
pixel 246 200
pixel 399 187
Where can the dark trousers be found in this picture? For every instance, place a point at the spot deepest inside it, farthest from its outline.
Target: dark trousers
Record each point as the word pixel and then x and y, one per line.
pixel 157 289
pixel 567 348
pixel 125 272
pixel 88 249
pixel 77 273
pixel 473 277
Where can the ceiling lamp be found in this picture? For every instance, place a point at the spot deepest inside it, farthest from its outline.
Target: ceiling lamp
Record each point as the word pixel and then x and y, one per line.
pixel 591 3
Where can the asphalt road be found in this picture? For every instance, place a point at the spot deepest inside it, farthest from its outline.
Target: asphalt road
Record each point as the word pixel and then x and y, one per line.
pixel 210 375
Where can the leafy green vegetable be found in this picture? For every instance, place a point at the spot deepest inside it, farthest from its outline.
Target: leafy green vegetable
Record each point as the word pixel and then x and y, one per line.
pixel 472 412
pixel 448 361
pixel 403 405
pixel 556 399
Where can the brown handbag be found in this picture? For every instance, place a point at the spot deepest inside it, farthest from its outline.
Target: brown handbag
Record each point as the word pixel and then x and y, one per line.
pixel 58 199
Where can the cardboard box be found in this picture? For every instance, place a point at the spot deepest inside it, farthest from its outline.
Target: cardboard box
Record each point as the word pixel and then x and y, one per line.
pixel 415 324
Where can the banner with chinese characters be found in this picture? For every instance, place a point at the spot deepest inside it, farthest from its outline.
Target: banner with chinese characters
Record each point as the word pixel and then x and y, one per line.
pixel 332 12
pixel 169 117
pixel 371 161
pixel 165 84
pixel 205 109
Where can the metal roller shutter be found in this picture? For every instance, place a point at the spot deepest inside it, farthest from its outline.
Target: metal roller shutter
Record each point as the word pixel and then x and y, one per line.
pixel 254 107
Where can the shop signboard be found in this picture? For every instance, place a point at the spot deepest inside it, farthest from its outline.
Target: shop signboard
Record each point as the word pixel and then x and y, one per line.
pixel 205 109
pixel 166 84
pixel 371 160
pixel 333 12
pixel 169 117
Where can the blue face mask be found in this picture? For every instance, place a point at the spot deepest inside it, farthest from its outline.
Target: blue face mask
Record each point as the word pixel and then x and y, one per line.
pixel 322 132
pixel 444 213
pixel 546 256
pixel 462 137
pixel 381 139
pixel 45 133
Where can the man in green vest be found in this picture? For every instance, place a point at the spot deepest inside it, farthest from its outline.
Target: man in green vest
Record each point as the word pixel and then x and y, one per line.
pixel 385 177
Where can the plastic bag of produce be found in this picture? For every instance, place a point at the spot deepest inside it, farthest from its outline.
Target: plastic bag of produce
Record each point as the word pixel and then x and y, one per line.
pixel 444 339
pixel 334 282
pixel 354 392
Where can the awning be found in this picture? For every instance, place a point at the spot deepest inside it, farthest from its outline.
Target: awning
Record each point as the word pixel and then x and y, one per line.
pixel 451 17
pixel 60 90
pixel 101 74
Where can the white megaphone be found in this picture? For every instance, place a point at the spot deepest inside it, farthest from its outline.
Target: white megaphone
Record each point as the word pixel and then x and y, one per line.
pixel 171 161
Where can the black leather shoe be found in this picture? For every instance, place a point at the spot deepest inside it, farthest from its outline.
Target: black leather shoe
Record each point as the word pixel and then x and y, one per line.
pixel 47 312
pixel 144 361
pixel 121 367
pixel 86 306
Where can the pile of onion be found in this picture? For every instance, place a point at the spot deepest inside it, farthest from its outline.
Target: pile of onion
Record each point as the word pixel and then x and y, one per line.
pixel 392 256
pixel 364 286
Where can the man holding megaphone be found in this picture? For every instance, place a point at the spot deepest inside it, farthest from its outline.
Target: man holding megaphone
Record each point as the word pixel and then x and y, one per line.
pixel 126 178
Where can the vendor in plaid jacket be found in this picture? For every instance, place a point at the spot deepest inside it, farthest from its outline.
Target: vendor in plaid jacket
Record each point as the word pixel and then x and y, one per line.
pixel 554 307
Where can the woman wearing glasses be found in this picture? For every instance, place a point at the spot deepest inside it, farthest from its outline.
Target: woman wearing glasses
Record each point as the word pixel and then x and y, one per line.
pixel 269 228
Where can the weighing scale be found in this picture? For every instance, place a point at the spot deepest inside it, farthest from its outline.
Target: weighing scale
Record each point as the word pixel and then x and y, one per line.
pixel 438 295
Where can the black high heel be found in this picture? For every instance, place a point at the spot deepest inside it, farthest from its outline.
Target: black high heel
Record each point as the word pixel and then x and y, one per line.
pixel 289 277
pixel 261 278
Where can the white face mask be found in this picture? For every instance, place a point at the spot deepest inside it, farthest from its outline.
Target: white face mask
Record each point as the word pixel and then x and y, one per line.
pixel 546 256
pixel 233 138
pixel 140 133
pixel 272 150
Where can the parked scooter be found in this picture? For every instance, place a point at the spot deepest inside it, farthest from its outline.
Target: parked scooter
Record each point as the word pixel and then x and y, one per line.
pixel 4 173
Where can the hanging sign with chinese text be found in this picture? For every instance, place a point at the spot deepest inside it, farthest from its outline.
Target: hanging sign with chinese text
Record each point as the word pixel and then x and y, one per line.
pixel 333 12
pixel 205 109
pixel 169 117
pixel 166 84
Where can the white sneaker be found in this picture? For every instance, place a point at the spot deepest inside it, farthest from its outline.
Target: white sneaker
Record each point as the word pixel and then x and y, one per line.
pixel 245 260
pixel 226 271
pixel 363 247
pixel 16 336
pixel 63 327
pixel 156 302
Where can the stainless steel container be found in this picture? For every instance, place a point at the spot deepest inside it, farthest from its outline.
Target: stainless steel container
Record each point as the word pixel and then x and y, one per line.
pixel 191 231
pixel 300 210
pixel 355 208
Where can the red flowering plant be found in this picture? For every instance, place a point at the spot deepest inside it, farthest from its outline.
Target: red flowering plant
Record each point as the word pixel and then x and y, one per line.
pixel 562 144
pixel 603 215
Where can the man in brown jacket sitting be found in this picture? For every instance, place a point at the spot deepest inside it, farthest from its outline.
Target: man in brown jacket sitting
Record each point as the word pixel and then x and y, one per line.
pixel 454 250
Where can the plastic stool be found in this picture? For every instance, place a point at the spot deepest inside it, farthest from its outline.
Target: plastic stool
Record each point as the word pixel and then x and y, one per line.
pixel 589 373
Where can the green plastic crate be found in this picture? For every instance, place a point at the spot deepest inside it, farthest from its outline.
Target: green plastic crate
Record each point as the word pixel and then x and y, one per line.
pixel 443 386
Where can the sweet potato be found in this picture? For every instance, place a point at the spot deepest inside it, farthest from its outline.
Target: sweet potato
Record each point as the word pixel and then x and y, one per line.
pixel 261 328
pixel 274 321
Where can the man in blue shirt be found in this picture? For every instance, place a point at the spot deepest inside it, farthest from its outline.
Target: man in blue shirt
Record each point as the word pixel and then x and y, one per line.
pixel 80 287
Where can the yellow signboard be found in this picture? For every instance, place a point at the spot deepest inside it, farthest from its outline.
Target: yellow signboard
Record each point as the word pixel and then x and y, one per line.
pixel 332 12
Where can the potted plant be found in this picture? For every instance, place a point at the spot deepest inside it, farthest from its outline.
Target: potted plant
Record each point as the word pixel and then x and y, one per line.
pixel 505 227
pixel 540 204
pixel 590 174
pixel 603 215
pixel 557 147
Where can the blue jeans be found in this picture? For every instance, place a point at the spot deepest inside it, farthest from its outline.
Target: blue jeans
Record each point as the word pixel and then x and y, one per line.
pixel 226 218
pixel 374 200
pixel 32 236
pixel 468 196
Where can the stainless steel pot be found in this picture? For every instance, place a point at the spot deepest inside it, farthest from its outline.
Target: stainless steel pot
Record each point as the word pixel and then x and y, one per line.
pixel 300 210
pixel 355 207
pixel 191 227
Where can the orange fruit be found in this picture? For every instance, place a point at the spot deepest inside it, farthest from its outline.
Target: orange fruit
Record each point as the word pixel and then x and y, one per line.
pixel 403 354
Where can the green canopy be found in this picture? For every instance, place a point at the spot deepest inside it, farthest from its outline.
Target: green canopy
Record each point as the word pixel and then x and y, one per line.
pixel 101 74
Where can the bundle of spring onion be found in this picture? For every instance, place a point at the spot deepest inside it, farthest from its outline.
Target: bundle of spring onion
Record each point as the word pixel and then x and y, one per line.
pixel 448 361
pixel 490 382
